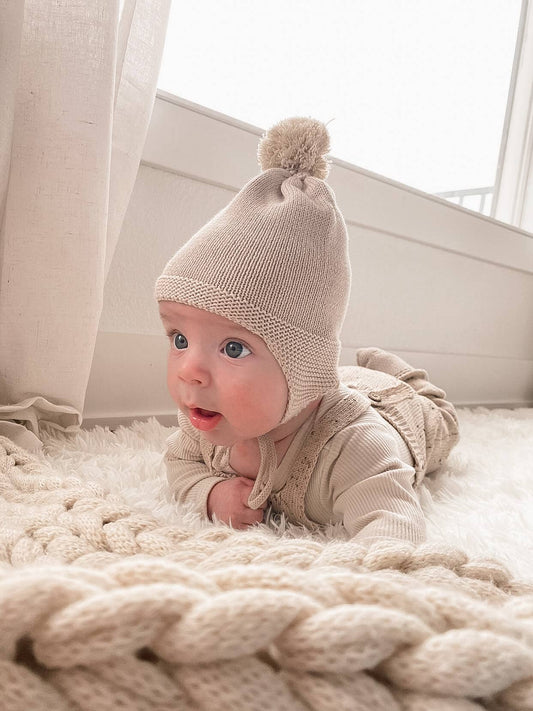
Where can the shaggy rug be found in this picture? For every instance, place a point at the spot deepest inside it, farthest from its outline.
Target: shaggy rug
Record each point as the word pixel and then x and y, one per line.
pixel 111 597
pixel 481 501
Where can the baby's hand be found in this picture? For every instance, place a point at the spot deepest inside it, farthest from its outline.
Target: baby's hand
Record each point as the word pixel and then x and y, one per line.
pixel 228 500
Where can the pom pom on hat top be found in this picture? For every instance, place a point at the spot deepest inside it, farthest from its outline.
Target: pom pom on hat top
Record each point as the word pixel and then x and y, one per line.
pixel 298 145
pixel 275 260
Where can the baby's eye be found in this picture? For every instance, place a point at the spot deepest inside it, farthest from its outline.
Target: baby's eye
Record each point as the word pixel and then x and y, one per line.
pixel 179 341
pixel 235 350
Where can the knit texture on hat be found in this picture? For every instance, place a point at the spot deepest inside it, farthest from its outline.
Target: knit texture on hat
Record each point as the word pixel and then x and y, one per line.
pixel 275 261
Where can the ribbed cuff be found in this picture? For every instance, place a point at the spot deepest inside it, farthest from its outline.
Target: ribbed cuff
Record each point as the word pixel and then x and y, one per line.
pixel 198 494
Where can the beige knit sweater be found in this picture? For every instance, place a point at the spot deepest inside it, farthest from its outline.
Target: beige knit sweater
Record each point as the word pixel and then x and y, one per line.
pixel 363 478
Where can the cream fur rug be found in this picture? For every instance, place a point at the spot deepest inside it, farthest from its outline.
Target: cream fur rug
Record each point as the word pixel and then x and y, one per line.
pixel 112 598
pixel 481 501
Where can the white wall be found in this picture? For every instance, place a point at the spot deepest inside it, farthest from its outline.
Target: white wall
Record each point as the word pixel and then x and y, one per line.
pixel 447 289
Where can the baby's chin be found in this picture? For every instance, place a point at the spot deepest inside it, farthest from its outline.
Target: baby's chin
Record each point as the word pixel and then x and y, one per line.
pixel 228 439
pixel 221 440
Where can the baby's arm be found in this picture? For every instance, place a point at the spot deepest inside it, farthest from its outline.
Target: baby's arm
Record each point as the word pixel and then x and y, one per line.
pixel 189 477
pixel 373 489
pixel 193 484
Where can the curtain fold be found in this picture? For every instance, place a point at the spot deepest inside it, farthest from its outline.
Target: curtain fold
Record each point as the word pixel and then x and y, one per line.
pixel 80 91
pixel 513 193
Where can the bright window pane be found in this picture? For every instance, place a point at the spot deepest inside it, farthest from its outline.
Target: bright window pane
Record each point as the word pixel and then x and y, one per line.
pixel 414 90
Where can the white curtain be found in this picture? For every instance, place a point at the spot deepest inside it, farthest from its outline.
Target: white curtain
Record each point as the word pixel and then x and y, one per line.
pixel 513 195
pixel 78 82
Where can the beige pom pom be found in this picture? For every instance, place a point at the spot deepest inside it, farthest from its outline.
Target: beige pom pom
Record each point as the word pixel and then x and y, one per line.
pixel 297 144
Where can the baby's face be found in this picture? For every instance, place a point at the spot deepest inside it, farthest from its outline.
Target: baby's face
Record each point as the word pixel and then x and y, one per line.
pixel 216 365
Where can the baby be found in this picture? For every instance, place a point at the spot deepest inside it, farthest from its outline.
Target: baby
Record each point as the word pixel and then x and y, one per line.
pixel 253 306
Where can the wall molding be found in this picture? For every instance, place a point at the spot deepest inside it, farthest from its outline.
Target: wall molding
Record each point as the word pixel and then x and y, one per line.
pixel 136 387
pixel 221 151
pixel 448 289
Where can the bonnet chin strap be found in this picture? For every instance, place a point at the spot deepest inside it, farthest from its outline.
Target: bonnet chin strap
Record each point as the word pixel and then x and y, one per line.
pixel 263 483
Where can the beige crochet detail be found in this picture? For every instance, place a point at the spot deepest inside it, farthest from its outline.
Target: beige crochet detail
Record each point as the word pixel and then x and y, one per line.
pixel 102 608
pixel 291 498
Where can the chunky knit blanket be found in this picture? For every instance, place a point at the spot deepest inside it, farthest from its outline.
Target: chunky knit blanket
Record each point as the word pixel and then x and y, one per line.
pixel 102 607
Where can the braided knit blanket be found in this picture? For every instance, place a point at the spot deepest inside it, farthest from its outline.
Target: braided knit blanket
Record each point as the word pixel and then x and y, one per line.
pixel 102 607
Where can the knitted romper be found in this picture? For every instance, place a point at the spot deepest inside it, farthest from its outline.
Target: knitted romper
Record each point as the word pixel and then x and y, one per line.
pixel 403 396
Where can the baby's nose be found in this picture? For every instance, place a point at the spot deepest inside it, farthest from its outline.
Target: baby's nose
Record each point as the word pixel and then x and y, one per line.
pixel 193 369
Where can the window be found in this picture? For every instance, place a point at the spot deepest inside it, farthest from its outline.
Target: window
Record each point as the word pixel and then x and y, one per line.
pixel 414 90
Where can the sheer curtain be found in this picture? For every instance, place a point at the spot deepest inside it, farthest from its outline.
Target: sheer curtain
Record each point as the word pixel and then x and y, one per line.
pixel 78 84
pixel 513 195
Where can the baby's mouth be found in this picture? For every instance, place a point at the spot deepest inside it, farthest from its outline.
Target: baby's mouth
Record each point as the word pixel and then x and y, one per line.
pixel 204 419
pixel 206 413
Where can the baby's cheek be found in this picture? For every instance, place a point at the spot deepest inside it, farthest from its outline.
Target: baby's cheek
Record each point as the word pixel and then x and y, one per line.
pixel 274 394
pixel 261 406
pixel 242 397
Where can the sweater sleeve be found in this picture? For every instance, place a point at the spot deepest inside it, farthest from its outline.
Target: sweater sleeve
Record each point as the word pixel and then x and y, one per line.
pixel 372 489
pixel 189 477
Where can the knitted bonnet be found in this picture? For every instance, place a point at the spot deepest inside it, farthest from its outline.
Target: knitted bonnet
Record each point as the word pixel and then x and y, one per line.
pixel 275 261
